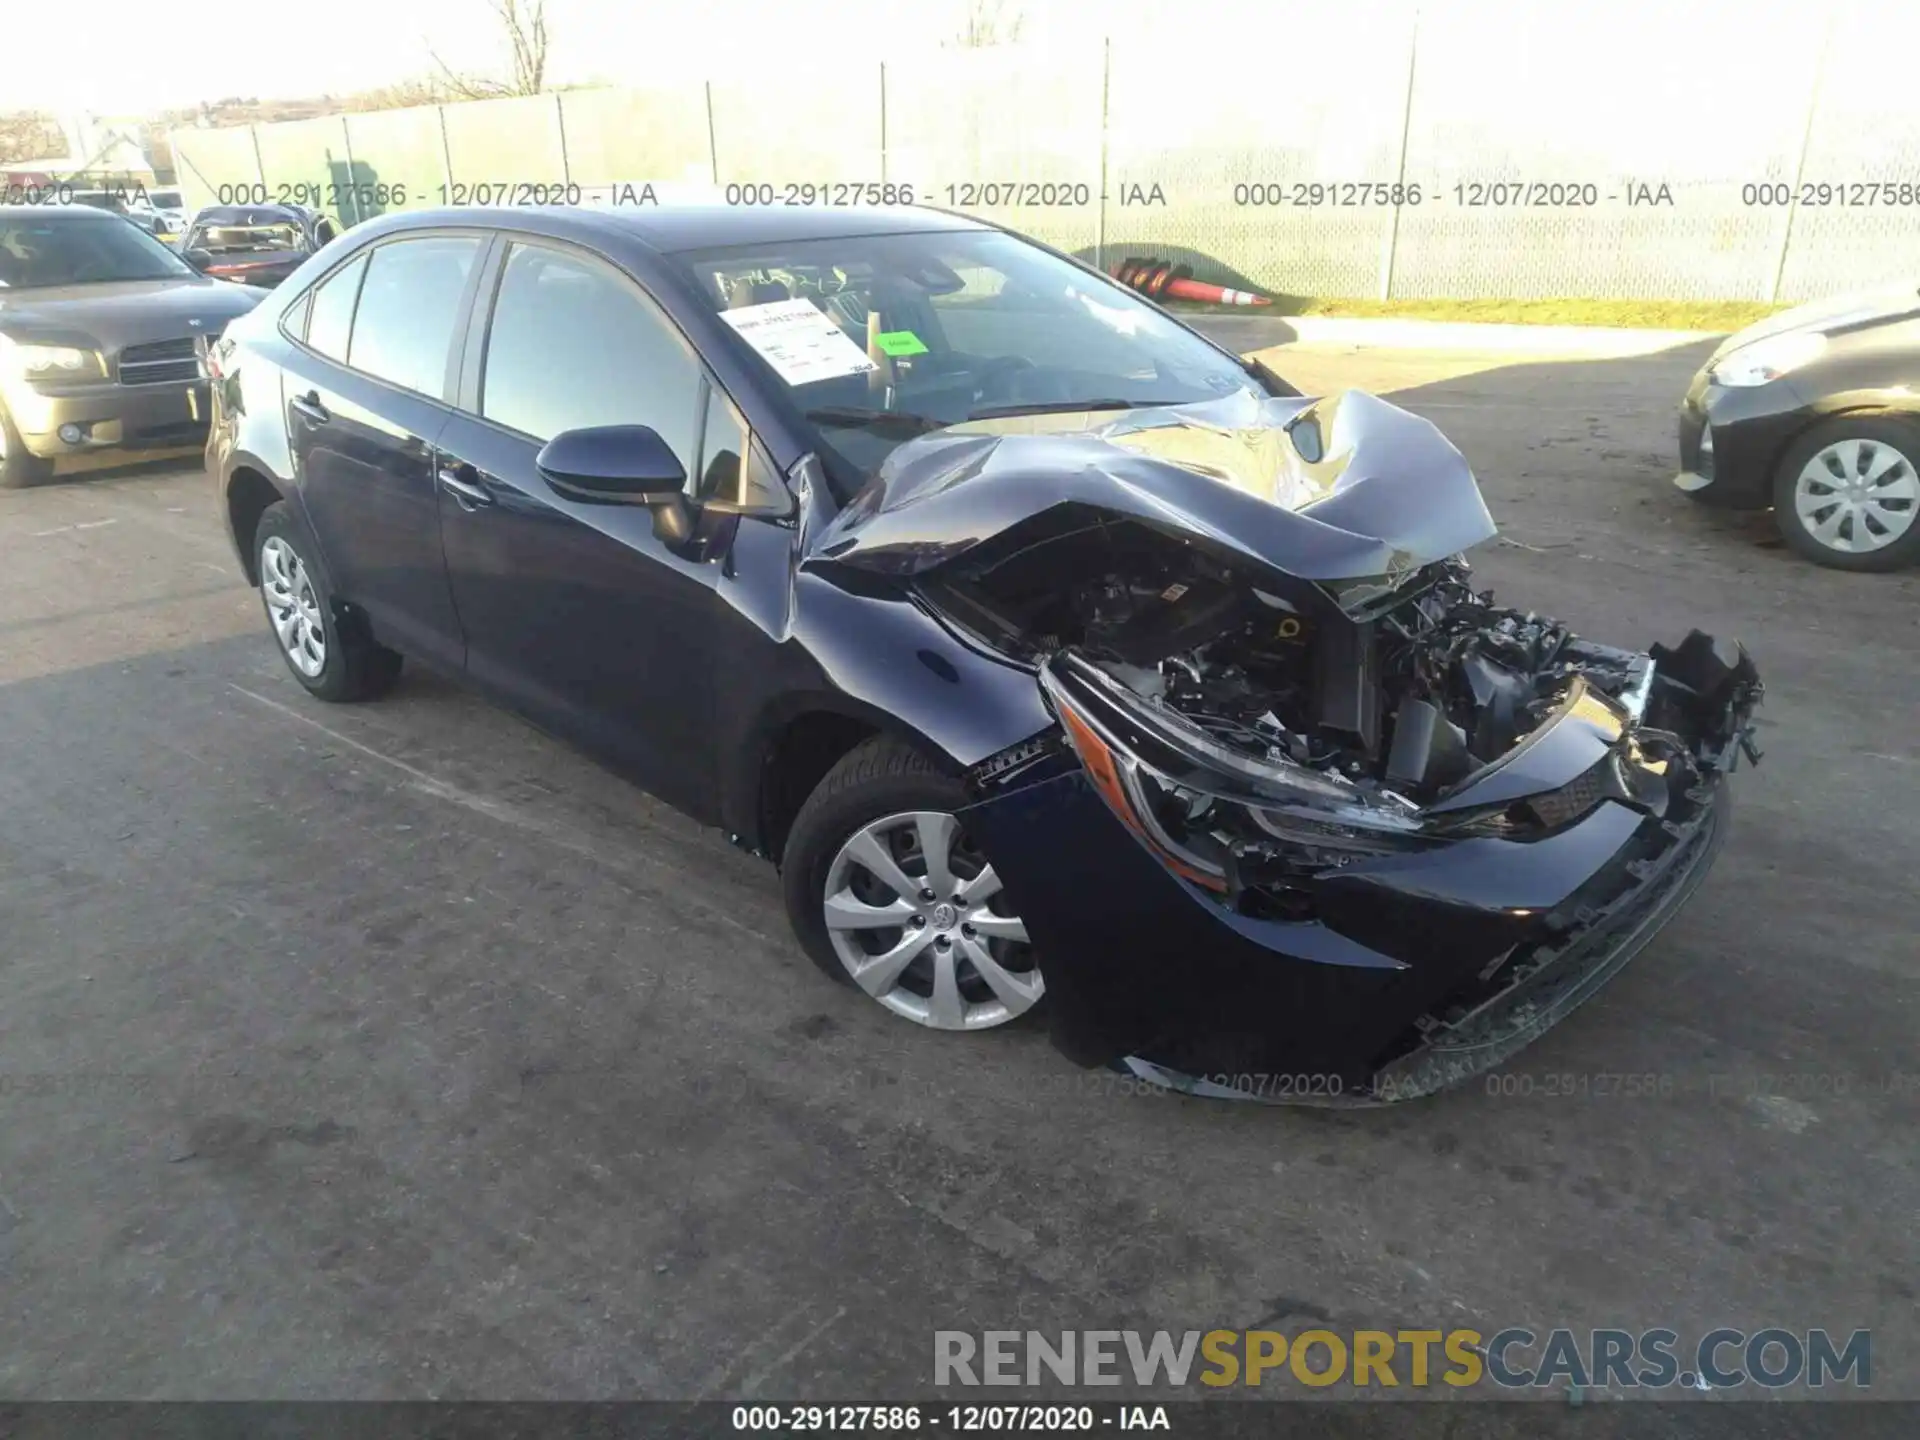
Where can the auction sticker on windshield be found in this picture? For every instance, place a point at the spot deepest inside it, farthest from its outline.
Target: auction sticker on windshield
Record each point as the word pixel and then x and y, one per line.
pixel 802 344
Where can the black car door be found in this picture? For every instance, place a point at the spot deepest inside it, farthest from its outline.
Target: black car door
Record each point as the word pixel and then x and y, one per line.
pixel 577 614
pixel 366 399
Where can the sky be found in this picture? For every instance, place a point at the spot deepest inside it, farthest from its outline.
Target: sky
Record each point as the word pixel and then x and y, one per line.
pixel 137 56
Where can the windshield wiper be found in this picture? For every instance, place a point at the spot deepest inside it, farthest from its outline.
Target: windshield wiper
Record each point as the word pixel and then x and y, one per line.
pixel 1276 383
pixel 1068 407
pixel 876 419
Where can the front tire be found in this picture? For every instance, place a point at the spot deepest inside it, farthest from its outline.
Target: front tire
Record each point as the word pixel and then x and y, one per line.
pixel 19 466
pixel 887 893
pixel 330 654
pixel 1847 493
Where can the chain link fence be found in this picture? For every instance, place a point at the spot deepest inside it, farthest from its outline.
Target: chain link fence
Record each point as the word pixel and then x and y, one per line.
pixel 1638 150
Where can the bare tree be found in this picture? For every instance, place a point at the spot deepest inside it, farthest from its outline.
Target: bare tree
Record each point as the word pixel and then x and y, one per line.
pixel 988 22
pixel 525 24
pixel 159 148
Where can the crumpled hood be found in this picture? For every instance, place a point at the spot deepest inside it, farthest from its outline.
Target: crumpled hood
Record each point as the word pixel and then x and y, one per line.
pixel 1382 493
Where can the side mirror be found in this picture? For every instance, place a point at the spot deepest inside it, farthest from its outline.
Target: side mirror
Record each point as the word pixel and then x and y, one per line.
pixel 198 259
pixel 620 465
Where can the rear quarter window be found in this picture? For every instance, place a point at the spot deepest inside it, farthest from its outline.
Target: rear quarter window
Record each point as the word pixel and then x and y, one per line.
pixel 330 317
pixel 295 321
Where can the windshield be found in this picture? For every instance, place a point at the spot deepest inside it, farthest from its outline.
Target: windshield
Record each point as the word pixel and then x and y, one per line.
pixel 80 249
pixel 225 239
pixel 895 335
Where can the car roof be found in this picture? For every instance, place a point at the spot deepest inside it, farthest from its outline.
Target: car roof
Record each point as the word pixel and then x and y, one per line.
pixel 90 214
pixel 249 214
pixel 668 229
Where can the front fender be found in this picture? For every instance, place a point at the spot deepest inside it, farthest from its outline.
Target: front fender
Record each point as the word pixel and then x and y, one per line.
pixel 887 651
pixel 859 646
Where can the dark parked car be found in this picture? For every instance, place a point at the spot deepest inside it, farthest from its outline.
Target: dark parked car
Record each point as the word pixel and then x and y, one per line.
pixel 98 322
pixel 1046 647
pixel 1816 412
pixel 255 244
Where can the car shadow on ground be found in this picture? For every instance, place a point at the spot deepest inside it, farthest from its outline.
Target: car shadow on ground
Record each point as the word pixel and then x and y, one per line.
pixel 121 464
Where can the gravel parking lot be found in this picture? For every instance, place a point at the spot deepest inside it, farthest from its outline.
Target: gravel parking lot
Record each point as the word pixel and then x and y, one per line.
pixel 397 1051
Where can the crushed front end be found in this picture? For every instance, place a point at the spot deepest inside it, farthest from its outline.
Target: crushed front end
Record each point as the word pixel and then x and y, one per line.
pixel 1344 844
pixel 1319 822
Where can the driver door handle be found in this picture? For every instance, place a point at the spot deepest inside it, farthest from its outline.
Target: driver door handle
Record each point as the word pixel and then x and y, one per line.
pixel 471 494
pixel 309 406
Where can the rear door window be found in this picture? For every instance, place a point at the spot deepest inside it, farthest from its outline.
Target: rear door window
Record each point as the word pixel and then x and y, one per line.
pixel 404 325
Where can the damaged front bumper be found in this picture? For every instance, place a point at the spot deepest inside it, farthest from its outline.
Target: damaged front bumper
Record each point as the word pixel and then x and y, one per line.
pixel 1416 949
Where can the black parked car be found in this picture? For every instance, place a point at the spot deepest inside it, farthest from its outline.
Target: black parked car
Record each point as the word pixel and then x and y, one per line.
pixel 1046 647
pixel 254 244
pixel 1816 412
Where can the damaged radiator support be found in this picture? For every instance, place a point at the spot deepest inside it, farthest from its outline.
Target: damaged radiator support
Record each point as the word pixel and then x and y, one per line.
pixel 1428 748
pixel 1346 683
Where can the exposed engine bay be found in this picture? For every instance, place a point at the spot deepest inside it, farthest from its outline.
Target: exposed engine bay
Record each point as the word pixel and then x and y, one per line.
pixel 1327 723
pixel 1370 822
pixel 1413 698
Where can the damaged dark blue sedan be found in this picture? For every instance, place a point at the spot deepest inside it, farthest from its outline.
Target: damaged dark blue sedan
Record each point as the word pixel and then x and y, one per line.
pixel 1061 660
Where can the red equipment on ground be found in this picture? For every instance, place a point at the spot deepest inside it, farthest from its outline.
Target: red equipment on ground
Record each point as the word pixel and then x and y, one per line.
pixel 1158 280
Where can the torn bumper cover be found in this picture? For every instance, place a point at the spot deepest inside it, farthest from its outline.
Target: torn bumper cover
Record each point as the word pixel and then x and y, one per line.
pixel 1419 947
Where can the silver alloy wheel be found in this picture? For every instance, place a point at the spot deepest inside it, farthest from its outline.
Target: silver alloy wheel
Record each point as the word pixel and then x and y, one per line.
pixel 913 913
pixel 1856 496
pixel 293 607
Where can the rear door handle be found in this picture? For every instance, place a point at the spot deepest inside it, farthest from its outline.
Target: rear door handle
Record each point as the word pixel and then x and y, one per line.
pixel 309 405
pixel 470 494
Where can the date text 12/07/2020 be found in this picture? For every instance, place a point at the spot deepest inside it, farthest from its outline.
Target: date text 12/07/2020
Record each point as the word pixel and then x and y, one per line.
pixel 961 1419
pixel 1470 194
pixel 1498 194
pixel 381 195
pixel 1070 194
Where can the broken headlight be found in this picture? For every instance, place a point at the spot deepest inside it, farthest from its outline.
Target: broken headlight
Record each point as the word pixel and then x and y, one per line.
pixel 1203 807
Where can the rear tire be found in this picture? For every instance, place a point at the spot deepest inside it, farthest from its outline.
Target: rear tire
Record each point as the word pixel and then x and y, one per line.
pixel 936 943
pixel 19 467
pixel 1847 493
pixel 329 651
